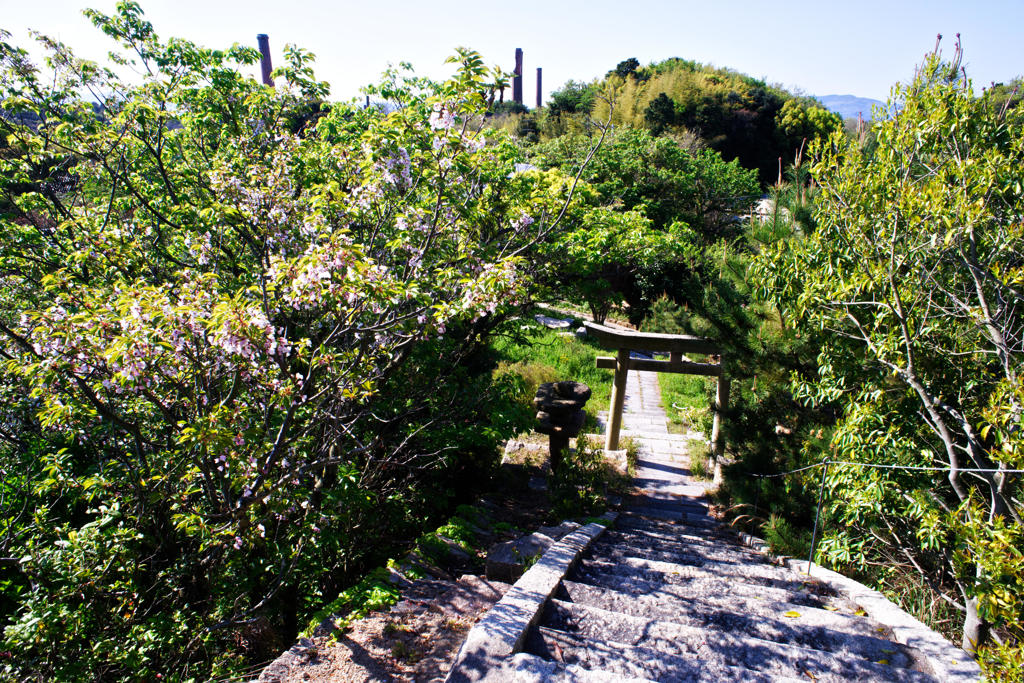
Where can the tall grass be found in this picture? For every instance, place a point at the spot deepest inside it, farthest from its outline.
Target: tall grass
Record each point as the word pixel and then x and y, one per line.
pixel 539 355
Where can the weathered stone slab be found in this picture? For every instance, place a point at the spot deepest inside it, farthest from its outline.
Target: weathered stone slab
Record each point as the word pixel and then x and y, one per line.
pixel 812 628
pixel 626 661
pixel 553 323
pixel 502 631
pixel 947 661
pixel 560 531
pixel 507 561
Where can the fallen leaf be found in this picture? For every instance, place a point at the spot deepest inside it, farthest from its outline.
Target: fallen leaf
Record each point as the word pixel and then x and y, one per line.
pixel 882 661
pixel 791 614
pixel 830 608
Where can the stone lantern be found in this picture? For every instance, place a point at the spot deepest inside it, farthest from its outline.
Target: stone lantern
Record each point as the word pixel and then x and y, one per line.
pixel 560 415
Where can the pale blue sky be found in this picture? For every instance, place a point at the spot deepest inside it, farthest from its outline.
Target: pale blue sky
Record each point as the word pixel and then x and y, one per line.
pixel 859 47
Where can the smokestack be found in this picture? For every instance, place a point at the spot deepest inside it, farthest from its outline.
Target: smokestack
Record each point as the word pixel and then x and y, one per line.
pixel 265 66
pixel 538 88
pixel 517 78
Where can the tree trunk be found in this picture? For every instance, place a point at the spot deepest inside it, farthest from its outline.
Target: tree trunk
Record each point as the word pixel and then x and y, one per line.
pixel 976 631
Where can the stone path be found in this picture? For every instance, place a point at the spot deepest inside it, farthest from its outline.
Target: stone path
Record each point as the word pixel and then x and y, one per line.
pixel 669 595
pixel 664 459
pixel 642 413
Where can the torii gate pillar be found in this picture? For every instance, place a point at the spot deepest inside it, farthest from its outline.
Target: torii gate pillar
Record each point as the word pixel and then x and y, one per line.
pixel 611 441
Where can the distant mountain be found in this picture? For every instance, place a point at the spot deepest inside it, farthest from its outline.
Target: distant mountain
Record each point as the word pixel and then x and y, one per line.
pixel 848 106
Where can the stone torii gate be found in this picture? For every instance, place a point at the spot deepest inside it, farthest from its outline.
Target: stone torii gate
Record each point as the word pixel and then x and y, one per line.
pixel 675 345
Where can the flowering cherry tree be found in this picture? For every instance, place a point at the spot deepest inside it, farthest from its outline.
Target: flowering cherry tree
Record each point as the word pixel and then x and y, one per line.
pixel 207 286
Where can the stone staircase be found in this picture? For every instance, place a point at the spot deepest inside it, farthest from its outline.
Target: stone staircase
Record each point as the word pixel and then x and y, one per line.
pixel 668 594
pixel 668 600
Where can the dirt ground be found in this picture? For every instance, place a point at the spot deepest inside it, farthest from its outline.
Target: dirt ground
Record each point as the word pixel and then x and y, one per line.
pixel 417 640
pixel 419 637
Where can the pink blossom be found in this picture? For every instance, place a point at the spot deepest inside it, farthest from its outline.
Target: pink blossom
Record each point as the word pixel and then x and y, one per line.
pixel 441 117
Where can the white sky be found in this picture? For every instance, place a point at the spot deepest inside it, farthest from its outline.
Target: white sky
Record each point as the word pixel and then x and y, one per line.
pixel 819 47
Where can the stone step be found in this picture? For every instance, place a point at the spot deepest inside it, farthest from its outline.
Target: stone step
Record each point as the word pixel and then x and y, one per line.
pixel 645 517
pixel 674 515
pixel 694 604
pixel 654 459
pixel 631 661
pixel 613 555
pixel 634 518
pixel 682 439
pixel 726 649
pixel 660 528
pixel 643 418
pixel 693 520
pixel 628 544
pixel 643 434
pixel 663 441
pixel 679 532
pixel 529 668
pixel 656 493
pixel 674 572
pixel 647 483
pixel 810 627
pixel 684 542
pixel 669 502
pixel 696 555
pixel 706 586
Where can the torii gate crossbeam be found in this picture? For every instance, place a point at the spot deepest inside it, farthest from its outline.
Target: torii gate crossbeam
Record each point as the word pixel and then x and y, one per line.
pixel 676 345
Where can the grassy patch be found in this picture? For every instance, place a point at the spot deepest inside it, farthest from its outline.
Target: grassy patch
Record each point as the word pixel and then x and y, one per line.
pixel 632 448
pixel 582 487
pixel 402 651
pixel 596 520
pixel 540 355
pixel 505 528
pixel 686 399
pixel 460 531
pixel 699 453
pixel 374 592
